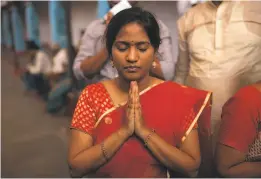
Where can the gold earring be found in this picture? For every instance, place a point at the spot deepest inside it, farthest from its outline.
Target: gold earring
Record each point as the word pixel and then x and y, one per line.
pixel 154 64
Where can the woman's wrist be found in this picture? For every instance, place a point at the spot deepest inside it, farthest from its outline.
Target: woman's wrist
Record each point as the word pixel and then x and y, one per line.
pixel 143 132
pixel 123 133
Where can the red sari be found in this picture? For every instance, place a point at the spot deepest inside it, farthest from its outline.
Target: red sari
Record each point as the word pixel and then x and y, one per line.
pixel 240 118
pixel 169 108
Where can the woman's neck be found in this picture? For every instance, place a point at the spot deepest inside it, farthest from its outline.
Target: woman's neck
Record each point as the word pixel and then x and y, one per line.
pixel 124 85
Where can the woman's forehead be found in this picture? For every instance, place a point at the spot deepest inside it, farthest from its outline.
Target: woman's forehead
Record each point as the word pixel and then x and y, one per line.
pixel 132 30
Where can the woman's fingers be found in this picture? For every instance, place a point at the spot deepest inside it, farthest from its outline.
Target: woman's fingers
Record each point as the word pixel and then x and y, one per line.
pixel 133 99
pixel 130 98
pixel 136 96
pixel 130 103
pixel 132 87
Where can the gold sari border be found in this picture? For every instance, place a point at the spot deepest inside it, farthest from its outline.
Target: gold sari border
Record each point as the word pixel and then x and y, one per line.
pixel 123 103
pixel 197 116
pixel 104 114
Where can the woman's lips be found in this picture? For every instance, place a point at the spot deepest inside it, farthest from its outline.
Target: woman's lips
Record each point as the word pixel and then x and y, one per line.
pixel 132 69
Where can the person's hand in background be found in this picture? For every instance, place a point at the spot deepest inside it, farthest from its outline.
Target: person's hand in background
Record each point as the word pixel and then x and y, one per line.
pixel 109 17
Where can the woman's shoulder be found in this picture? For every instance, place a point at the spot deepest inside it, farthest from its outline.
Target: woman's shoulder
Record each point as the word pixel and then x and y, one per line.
pixel 93 89
pixel 187 89
pixel 185 93
pixel 247 98
pixel 247 94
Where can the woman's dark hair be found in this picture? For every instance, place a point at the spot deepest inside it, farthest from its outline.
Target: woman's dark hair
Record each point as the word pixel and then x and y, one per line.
pixel 133 15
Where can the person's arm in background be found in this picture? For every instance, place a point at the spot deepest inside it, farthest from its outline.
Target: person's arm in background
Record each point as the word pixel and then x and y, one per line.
pixel 87 62
pixel 231 163
pixel 165 61
pixel 237 132
pixel 183 63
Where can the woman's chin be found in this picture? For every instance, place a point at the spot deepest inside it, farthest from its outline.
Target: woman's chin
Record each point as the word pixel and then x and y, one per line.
pixel 132 77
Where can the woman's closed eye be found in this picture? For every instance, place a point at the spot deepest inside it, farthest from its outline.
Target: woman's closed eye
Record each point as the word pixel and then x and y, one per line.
pixel 141 46
pixel 122 46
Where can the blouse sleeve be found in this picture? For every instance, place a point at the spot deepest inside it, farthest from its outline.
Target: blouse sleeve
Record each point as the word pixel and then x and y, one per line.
pixel 237 128
pixel 84 115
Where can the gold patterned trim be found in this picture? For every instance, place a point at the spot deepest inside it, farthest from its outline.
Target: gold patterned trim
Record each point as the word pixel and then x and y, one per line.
pixel 197 116
pixel 123 103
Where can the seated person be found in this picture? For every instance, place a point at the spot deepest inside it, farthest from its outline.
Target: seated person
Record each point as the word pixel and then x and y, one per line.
pixel 35 74
pixel 240 135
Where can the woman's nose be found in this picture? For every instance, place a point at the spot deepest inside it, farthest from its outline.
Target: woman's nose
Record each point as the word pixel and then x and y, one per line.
pixel 132 54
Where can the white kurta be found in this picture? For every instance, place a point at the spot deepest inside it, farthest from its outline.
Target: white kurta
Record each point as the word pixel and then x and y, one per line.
pixel 220 49
pixel 60 62
pixel 42 64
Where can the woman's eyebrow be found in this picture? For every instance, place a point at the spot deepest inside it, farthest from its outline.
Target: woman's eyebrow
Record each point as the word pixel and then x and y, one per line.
pixel 123 42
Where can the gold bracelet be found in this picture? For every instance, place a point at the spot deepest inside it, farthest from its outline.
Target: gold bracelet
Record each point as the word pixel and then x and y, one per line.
pixel 148 137
pixel 105 155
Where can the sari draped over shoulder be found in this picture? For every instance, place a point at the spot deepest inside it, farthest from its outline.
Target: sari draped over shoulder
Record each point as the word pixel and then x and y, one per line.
pixel 169 108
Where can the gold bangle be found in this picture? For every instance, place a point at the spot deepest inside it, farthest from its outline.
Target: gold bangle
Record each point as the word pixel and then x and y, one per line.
pixel 105 155
pixel 148 137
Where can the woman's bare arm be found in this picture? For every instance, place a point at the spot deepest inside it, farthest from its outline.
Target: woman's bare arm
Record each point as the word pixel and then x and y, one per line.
pixel 231 163
pixel 185 159
pixel 85 157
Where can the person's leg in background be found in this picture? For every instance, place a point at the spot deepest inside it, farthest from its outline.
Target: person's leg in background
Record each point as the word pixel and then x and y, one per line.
pixel 42 86
pixel 57 98
pixel 29 81
pixel 46 87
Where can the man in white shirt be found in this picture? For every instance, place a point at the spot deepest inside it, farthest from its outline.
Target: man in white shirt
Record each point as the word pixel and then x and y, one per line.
pixel 42 64
pixel 35 74
pixel 220 49
pixel 60 62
